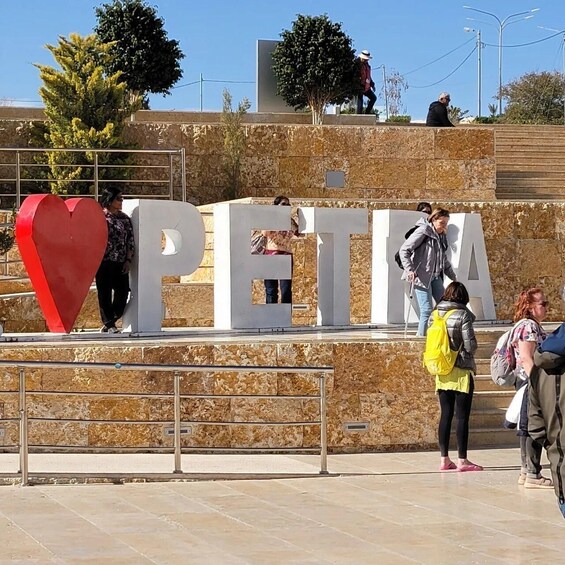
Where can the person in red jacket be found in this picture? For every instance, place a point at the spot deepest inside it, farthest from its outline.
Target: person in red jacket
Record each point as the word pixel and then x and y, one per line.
pixel 367 84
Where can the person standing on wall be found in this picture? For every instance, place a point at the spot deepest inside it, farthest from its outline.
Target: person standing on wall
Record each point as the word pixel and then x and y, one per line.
pixel 278 243
pixel 424 258
pixel 112 277
pixel 437 112
pixel 367 84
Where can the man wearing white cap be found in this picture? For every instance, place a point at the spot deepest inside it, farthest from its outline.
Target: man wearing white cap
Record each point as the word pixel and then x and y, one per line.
pixel 367 84
pixel 437 112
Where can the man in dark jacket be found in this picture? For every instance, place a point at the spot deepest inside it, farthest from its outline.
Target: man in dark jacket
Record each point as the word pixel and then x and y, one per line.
pixel 547 407
pixel 437 112
pixel 367 84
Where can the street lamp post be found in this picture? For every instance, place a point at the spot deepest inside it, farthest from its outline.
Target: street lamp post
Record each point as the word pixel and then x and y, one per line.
pixel 501 25
pixel 479 72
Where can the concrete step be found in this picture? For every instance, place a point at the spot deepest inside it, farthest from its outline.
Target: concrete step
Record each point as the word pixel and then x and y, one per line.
pixel 520 195
pixel 484 383
pixel 487 418
pixel 530 182
pixel 515 152
pixel 492 437
pixel 487 399
pixel 522 170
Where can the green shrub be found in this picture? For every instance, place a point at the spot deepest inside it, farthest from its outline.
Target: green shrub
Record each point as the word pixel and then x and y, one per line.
pixel 487 120
pixel 398 119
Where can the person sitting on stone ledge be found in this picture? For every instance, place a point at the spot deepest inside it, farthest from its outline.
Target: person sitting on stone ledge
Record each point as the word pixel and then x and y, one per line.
pixel 437 112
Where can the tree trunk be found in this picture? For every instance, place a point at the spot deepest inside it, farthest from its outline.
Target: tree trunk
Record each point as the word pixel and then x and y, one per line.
pixel 317 114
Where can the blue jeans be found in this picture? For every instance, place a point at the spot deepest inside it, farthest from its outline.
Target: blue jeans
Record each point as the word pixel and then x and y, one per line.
pixel 562 508
pixel 424 297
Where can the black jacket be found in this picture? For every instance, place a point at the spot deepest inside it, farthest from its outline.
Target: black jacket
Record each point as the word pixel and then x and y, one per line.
pixel 437 116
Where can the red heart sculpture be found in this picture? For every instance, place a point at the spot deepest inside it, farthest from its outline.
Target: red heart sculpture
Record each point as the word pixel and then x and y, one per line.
pixel 62 244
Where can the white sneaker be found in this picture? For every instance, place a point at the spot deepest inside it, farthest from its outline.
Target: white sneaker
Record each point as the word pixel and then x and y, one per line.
pixel 113 330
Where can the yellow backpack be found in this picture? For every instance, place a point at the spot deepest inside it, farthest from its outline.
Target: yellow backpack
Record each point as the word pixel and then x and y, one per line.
pixel 439 358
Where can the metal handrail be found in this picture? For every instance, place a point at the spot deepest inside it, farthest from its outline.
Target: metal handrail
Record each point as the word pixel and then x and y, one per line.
pixel 19 164
pixel 177 370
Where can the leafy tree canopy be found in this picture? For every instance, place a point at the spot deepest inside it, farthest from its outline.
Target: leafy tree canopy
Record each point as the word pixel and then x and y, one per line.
pixel 149 61
pixel 315 65
pixel 535 98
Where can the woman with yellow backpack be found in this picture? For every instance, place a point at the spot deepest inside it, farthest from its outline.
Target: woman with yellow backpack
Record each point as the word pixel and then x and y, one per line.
pixel 455 387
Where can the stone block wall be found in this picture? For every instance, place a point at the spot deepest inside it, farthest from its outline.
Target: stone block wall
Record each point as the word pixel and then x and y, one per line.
pixel 382 162
pixel 379 162
pixel 379 383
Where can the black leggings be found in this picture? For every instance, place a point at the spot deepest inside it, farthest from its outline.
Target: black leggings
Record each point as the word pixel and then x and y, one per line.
pixel 448 401
pixel 113 289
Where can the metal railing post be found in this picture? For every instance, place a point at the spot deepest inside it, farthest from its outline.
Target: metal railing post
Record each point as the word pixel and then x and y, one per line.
pixel 23 430
pixel 18 181
pixel 323 428
pixel 171 184
pixel 178 465
pixel 183 172
pixel 96 176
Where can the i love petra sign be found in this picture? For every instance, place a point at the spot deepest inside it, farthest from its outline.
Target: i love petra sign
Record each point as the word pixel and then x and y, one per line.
pixel 62 244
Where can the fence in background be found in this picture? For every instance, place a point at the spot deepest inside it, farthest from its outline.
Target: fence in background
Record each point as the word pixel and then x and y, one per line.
pixel 154 173
pixel 150 172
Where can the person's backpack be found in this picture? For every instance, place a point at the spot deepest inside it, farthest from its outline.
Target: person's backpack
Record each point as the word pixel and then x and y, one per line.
pixel 258 243
pixel 439 358
pixel 503 360
pixel 397 254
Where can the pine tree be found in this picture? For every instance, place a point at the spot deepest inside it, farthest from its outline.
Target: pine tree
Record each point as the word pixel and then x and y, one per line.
pixel 85 108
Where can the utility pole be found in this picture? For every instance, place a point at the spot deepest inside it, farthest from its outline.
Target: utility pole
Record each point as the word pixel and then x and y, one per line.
pixel 201 89
pixel 385 91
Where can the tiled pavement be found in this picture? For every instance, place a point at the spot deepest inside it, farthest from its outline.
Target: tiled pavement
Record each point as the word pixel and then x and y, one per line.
pixel 374 508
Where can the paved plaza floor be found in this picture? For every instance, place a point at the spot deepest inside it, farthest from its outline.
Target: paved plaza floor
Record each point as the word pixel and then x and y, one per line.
pixel 373 508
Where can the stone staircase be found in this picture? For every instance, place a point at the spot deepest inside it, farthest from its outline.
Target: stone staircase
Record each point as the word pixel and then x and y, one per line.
pixel 530 162
pixel 490 401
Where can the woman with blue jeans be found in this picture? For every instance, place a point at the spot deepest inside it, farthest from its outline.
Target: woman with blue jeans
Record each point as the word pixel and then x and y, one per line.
pixel 424 258
pixel 279 243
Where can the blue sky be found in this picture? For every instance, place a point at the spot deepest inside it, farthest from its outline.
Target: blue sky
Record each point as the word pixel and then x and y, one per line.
pixel 219 40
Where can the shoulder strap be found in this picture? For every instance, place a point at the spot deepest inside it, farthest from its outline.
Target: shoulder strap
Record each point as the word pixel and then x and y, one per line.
pixel 445 316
